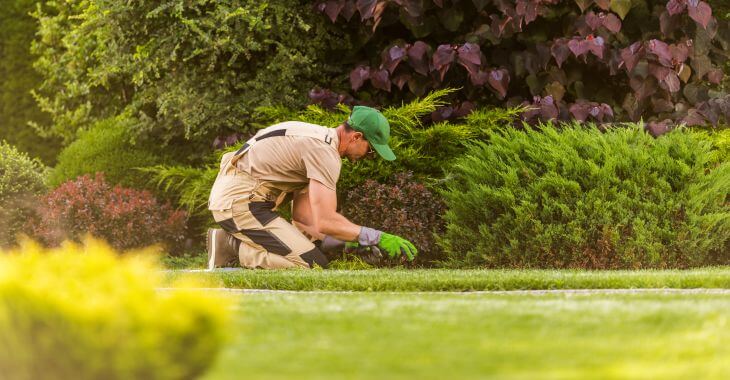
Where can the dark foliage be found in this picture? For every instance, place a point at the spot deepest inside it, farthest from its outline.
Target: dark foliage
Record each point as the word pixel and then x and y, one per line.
pixel 402 207
pixel 595 60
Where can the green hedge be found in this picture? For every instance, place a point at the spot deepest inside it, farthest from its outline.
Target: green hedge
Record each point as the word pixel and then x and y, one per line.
pixel 578 197
pixel 107 147
pixel 21 179
pixel 81 312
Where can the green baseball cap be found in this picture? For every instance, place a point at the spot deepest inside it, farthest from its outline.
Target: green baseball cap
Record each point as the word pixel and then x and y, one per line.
pixel 375 127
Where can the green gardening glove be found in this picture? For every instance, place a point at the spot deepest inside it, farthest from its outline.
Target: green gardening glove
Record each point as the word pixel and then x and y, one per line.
pixel 352 245
pixel 396 246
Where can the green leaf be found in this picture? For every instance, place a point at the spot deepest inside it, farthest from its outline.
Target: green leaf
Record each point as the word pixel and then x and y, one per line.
pixel 534 83
pixel 584 4
pixel 621 7
pixel 480 4
pixel 556 89
pixel 452 18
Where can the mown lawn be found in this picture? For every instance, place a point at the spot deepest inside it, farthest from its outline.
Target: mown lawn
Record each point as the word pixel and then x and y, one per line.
pixel 459 280
pixel 363 335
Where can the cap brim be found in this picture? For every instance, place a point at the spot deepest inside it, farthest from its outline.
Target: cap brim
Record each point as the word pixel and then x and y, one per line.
pixel 384 151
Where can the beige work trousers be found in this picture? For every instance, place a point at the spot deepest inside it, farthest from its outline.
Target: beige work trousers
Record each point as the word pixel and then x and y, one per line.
pixel 265 239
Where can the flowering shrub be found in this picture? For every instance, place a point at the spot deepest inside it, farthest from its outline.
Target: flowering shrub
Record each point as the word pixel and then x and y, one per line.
pixel 403 207
pixel 90 314
pixel 126 218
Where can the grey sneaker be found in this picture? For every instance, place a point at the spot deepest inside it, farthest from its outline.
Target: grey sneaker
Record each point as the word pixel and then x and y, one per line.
pixel 221 248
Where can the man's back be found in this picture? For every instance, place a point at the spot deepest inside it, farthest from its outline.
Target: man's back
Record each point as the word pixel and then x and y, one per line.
pixel 307 151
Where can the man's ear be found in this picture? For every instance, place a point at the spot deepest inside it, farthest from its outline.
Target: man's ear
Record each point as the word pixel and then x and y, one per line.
pixel 358 135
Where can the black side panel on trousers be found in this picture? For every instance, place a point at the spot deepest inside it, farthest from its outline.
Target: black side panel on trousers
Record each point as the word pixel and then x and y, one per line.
pixel 278 132
pixel 267 240
pixel 315 256
pixel 229 225
pixel 262 211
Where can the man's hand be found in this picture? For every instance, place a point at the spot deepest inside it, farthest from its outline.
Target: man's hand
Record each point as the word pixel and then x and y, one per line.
pixel 396 246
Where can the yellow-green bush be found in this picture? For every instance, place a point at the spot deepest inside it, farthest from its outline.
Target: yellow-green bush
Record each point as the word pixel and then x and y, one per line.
pixel 21 180
pixel 83 312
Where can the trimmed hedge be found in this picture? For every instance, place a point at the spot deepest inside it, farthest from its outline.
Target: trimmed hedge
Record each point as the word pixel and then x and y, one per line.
pixel 80 312
pixel 21 179
pixel 107 147
pixel 581 198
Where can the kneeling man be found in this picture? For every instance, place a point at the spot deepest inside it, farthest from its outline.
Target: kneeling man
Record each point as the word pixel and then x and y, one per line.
pixel 298 161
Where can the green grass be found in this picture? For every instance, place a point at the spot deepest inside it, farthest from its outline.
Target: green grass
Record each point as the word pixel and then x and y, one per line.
pixel 461 280
pixel 477 335
pixel 187 260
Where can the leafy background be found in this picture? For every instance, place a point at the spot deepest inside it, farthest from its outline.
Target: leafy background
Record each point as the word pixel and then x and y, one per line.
pixel 153 93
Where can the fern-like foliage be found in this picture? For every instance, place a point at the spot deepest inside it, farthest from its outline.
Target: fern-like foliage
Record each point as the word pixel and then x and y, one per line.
pixel 192 185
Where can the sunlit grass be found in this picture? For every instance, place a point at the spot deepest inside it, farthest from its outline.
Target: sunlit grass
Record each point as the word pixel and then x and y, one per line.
pixel 466 336
pixel 463 280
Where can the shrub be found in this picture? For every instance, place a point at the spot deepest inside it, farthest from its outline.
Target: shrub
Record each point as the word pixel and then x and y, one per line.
pixel 82 312
pixel 107 147
pixel 582 59
pixel 21 179
pixel 577 197
pixel 402 207
pixel 126 218
pixel 720 140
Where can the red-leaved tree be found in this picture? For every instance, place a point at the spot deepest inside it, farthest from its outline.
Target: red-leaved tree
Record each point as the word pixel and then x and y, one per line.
pixel 597 60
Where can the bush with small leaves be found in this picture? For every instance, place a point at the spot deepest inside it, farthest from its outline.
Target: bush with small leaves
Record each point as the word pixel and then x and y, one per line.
pixel 581 198
pixel 108 147
pixel 21 180
pixel 84 312
pixel 403 207
pixel 126 218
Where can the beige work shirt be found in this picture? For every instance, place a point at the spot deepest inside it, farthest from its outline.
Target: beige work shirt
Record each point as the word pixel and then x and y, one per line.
pixel 279 164
pixel 295 159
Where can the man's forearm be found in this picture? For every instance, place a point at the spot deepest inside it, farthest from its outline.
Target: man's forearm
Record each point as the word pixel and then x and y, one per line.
pixel 339 227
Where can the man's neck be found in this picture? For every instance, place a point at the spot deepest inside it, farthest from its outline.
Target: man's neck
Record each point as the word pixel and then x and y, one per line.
pixel 341 137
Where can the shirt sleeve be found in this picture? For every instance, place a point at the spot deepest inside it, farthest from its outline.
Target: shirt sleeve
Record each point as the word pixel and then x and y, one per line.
pixel 323 164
